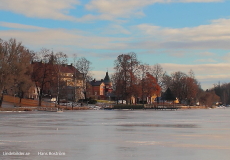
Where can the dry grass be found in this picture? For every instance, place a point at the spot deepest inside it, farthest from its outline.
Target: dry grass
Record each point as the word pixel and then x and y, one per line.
pixel 33 103
pixel 15 109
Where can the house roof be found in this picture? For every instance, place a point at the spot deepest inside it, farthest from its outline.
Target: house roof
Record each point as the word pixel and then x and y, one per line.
pixel 96 83
pixel 106 80
pixel 63 68
pixel 68 69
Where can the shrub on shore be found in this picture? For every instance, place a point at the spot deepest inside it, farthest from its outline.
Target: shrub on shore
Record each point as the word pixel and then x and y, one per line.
pixel 88 100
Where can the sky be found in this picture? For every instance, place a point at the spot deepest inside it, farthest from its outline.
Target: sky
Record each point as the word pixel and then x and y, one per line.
pixel 180 35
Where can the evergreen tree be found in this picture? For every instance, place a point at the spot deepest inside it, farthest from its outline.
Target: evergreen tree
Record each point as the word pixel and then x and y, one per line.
pixel 168 95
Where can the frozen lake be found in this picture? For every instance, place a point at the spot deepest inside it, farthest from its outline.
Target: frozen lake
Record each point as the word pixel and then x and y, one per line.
pixel 116 135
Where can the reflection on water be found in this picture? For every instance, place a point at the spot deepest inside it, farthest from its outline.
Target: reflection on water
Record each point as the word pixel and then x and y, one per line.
pixel 113 135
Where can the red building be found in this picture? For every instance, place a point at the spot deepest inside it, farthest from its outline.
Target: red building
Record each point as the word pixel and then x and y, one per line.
pixel 101 89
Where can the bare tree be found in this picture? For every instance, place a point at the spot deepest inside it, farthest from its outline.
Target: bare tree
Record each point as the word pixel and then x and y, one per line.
pixel 185 87
pixel 57 60
pixel 5 80
pixel 142 76
pixel 158 73
pixel 122 75
pixel 118 84
pixel 149 87
pixel 84 66
pixel 134 68
pixel 23 74
pixel 208 98
pixel 178 84
pixel 223 91
pixel 14 67
pixel 126 67
pixel 42 72
pixel 166 82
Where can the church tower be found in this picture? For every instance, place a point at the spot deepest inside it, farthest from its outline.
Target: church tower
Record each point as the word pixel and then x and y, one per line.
pixel 108 83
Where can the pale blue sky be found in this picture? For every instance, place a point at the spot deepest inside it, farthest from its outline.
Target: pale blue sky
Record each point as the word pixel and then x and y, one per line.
pixel 178 34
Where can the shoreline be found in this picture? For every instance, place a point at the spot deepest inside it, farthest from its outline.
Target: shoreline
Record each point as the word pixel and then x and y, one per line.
pixel 35 109
pixel 9 107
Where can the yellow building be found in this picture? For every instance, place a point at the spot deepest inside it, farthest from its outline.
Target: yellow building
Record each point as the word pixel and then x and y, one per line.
pixel 70 75
pixel 74 82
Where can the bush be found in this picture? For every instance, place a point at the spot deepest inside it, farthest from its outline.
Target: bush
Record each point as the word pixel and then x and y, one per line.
pixel 124 106
pixel 142 102
pixel 87 100
pixel 92 101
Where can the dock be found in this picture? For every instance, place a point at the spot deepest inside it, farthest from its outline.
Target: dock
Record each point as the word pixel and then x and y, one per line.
pixel 161 107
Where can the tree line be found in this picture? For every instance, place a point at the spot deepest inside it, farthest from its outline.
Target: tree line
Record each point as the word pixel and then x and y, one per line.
pixel 131 78
pixel 223 91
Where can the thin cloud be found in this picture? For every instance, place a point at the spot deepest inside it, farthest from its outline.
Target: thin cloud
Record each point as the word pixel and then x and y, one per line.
pixel 52 9
pixel 143 37
pixel 215 35
pixel 205 54
pixel 217 30
pixel 178 55
pixel 104 9
pixel 226 57
pixel 112 9
pixel 20 26
pixel 115 29
pixel 209 60
pixel 203 69
pixel 57 37
pixel 98 75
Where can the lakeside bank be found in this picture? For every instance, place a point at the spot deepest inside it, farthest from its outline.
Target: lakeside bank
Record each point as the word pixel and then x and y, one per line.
pixel 8 106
